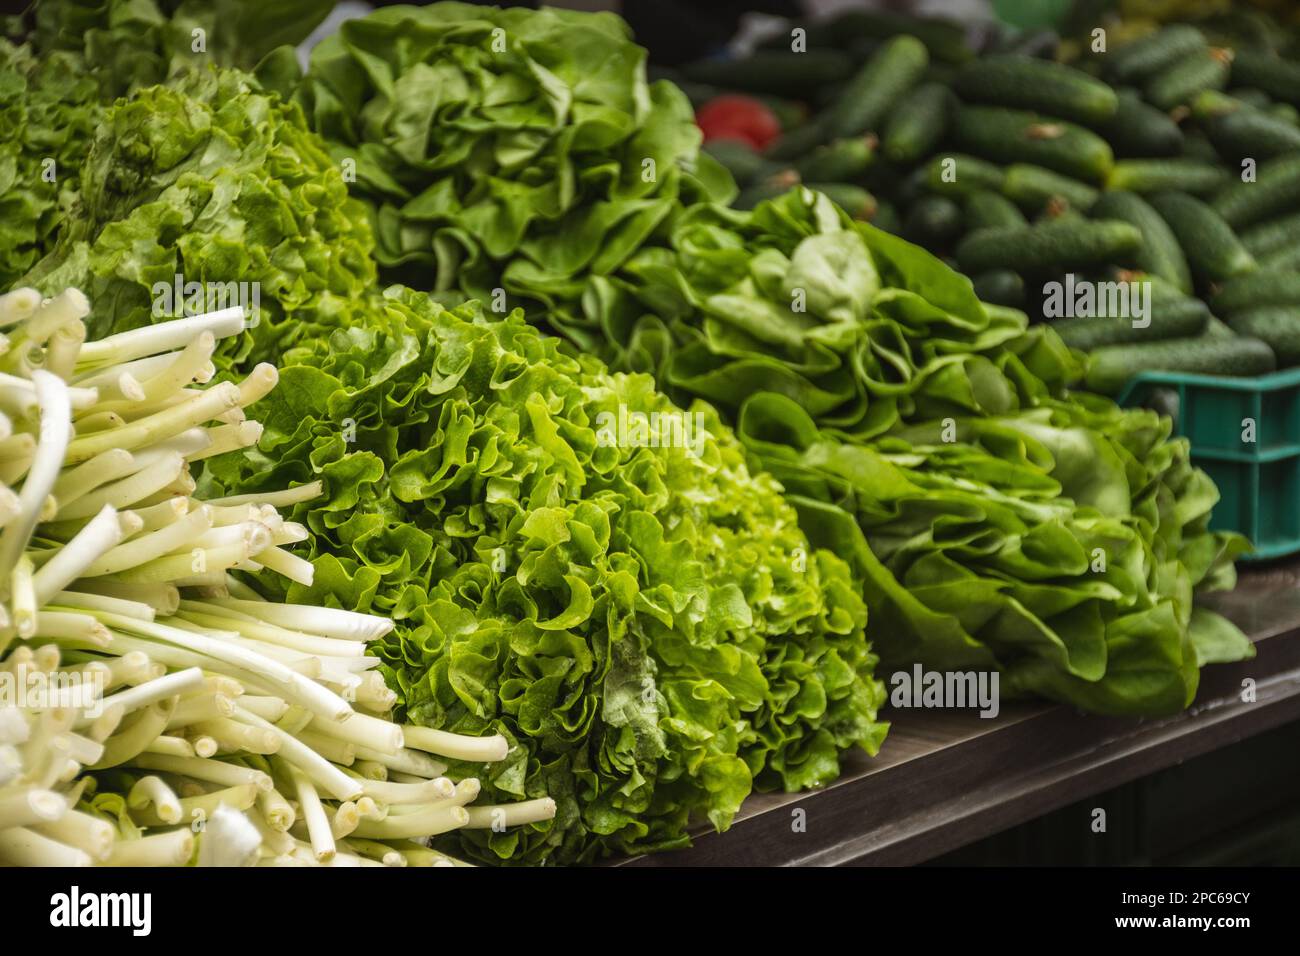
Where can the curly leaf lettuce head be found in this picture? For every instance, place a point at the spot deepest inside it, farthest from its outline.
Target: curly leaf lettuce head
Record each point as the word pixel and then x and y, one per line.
pixel 48 110
pixel 138 43
pixel 506 148
pixel 574 561
pixel 998 519
pixel 212 180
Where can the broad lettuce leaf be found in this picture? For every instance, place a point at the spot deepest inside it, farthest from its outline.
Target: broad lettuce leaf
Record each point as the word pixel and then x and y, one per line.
pixel 995 518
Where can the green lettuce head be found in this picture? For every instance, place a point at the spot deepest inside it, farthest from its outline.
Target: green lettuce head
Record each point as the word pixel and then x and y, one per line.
pixel 575 562
pixel 48 110
pixel 508 149
pixel 214 180
pixel 132 44
pixel 997 519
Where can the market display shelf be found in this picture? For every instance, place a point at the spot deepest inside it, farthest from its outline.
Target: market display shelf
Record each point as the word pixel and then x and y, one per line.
pixel 946 779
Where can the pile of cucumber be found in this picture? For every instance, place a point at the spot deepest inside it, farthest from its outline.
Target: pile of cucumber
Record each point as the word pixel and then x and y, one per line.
pixel 1019 170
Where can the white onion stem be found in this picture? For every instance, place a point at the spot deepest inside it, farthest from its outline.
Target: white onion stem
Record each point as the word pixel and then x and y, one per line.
pixel 456 746
pixel 163 337
pixel 313 812
pixel 99 535
pixel 55 431
pixel 20 846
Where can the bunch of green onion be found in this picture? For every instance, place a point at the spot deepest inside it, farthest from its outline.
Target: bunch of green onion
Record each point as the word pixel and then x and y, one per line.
pixel 154 708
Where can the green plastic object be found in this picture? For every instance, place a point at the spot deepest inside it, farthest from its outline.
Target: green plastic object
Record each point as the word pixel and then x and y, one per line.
pixel 1259 481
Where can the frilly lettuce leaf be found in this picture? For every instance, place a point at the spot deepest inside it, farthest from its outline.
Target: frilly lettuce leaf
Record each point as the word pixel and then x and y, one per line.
pixel 48 109
pixel 213 179
pixel 137 43
pixel 647 625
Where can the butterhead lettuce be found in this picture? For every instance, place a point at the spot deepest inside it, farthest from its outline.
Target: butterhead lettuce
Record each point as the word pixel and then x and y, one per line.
pixel 998 520
pixel 506 149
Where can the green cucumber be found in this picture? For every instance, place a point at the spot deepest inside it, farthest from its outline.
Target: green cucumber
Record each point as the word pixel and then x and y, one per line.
pixel 1216 328
pixel 1011 136
pixel 1170 321
pixel 1285 113
pixel 955 174
pixel 1251 97
pixel 751 196
pixel 779 72
pixel 1197 147
pixel 1001 287
pixel 887 218
pixel 828 95
pixel 1256 291
pixel 789 113
pixel 941 73
pixel 1044 246
pixel 1247 29
pixel 1286 259
pixel 1110 367
pixel 799 141
pixel 839 161
pixel 1145 57
pixel 1276 190
pixel 1057 211
pixel 918 123
pixel 1040 43
pixel 1178 84
pixel 743 162
pixel 1032 84
pixel 1249 133
pixel 1160 253
pixel 989 210
pixel 1033 188
pixel 1271 234
pixel 854 200
pixel 1162 175
pixel 911 187
pixel 933 222
pixel 877 86
pixel 1164 294
pixel 1211 103
pixel 944 39
pixel 1138 129
pixel 1277 77
pixel 1212 248
pixel 1278 325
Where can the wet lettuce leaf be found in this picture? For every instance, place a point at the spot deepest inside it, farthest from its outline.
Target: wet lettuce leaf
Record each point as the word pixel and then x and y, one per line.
pixel 641 616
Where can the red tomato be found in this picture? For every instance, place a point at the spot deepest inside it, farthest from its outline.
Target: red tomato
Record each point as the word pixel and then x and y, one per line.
pixel 738 117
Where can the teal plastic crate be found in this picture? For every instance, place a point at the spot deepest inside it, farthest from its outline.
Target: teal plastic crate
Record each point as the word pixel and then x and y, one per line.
pixel 1259 481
